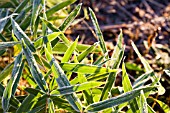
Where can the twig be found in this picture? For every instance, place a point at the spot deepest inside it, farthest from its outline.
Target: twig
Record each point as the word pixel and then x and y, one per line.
pixel 156 3
pixel 90 28
pixel 148 8
pixel 107 27
pixel 126 12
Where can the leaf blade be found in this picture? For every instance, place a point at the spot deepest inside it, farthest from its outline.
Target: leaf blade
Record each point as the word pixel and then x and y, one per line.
pixel 16 73
pixel 114 101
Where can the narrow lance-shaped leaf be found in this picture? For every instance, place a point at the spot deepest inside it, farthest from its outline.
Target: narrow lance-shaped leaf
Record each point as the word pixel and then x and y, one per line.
pixel 86 52
pixel 21 11
pixel 16 73
pixel 111 78
pixel 4 45
pixel 28 103
pixel 147 67
pixel 21 35
pixel 127 86
pixel 21 6
pixel 2 38
pixel 61 78
pixel 119 46
pixel 143 103
pixel 61 47
pixel 35 71
pixel 44 26
pixel 125 80
pixel 51 108
pixel 50 25
pixel 141 80
pixel 116 58
pixel 26 22
pixel 69 51
pixel 82 68
pixel 59 6
pixel 55 29
pixel 163 106
pixel 18 47
pixel 6 71
pixel 38 42
pixel 144 62
pixel 70 18
pixel 35 12
pixel 98 32
pixel 3 13
pixel 115 101
pixel 76 88
pixel 13 101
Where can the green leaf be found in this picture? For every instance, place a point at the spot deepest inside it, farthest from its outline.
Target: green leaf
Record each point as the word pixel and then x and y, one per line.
pixel 21 35
pixel 62 103
pixel 115 62
pixel 61 47
pixel 13 101
pixel 28 103
pixel 16 73
pixel 6 71
pixel 40 104
pixel 38 42
pixel 86 52
pixel 82 68
pixel 50 25
pixel 76 88
pixel 56 30
pixel 144 62
pixel 115 101
pixel 2 38
pixel 35 12
pixel 25 23
pixel 133 66
pixel 163 106
pixel 117 52
pixel 97 76
pixel 21 6
pixel 98 32
pixel 3 19
pixel 111 78
pixel 143 104
pixel 127 86
pixel 51 108
pixel 155 79
pixel 70 18
pixel 141 80
pixel 33 91
pixel 58 7
pixel 4 45
pixel 62 80
pixel 35 71
pixel 69 51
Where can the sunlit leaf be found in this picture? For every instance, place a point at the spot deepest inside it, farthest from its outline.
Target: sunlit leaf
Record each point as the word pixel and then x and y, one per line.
pixel 16 73
pixel 114 101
